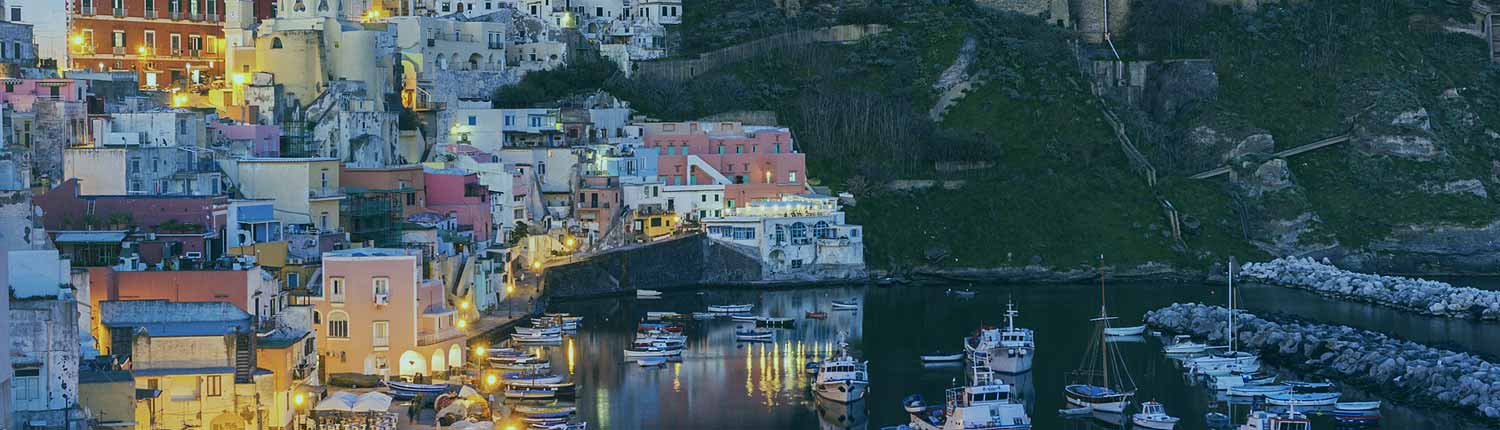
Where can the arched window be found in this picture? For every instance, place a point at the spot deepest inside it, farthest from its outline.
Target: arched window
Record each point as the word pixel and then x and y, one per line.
pixel 338 324
pixel 799 231
pixel 276 43
pixel 821 230
pixel 780 233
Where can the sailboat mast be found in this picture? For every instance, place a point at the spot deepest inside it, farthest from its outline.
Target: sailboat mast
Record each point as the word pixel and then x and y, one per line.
pixel 1103 322
pixel 1231 304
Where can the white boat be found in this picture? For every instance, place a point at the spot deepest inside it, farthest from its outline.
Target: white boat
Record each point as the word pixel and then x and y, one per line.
pixel 1356 406
pixel 506 359
pixel 942 357
pixel 1184 344
pixel 531 378
pixel 1007 350
pixel 530 393
pixel 1125 331
pixel 744 318
pixel 1310 387
pixel 1100 382
pixel 914 404
pixel 1258 390
pixel 1231 360
pixel 1236 379
pixel 1154 416
pixel 652 352
pixel 539 331
pixel 842 378
pixel 1075 412
pixel 754 335
pixel 647 293
pixel 544 409
pixel 539 338
pixel 1265 420
pixel 651 361
pixel 845 305
pixel 984 404
pixel 704 315
pixel 1302 399
pixel 528 367
pixel 729 309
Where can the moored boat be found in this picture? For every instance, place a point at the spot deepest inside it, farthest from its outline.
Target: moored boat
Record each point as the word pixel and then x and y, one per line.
pixel 774 322
pixel 408 389
pixel 845 305
pixel 531 377
pixel 1231 360
pixel 539 331
pixel 749 334
pixel 1302 399
pixel 1007 350
pixel 539 338
pixel 525 367
pixel 913 404
pixel 1289 420
pixel 842 378
pixel 530 393
pixel 942 357
pixel 652 352
pixel 724 309
pixel 651 361
pixel 1101 383
pixel 1258 390
pixel 647 293
pixel 1184 344
pixel 1125 331
pixel 1356 406
pixel 984 403
pixel 1154 416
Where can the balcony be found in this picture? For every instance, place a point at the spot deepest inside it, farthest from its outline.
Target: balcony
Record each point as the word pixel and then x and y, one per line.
pixel 118 50
pixel 176 52
pixel 120 12
pixel 150 14
pixel 176 15
pixel 429 337
pixel 324 193
pixel 213 17
pixel 195 17
pixel 90 11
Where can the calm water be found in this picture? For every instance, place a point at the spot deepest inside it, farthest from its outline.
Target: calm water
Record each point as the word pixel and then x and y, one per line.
pixel 721 384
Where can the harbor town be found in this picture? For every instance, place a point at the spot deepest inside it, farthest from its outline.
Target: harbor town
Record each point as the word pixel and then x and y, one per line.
pixel 760 215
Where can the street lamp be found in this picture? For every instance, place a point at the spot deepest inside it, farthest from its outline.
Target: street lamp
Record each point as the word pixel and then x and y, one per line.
pixel 461 324
pixel 480 350
pixel 536 265
pixel 570 242
pixel 464 305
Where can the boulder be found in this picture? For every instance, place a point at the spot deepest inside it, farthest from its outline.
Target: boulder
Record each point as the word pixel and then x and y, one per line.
pixel 1177 87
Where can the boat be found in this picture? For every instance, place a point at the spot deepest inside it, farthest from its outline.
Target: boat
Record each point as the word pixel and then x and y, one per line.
pixel 539 331
pixel 527 367
pixel 842 378
pixel 658 316
pixel 1236 379
pixel 1216 420
pixel 729 309
pixel 1154 416
pixel 704 315
pixel 845 305
pixel 1007 350
pixel 753 335
pixel 651 361
pixel 1302 399
pixel 985 403
pixel 913 404
pixel 564 426
pixel 407 389
pixel 1259 390
pixel 942 357
pixel 507 359
pixel 1266 420
pixel 531 377
pixel 530 393
pixel 1125 331
pixel 773 322
pixel 652 352
pixel 523 338
pixel 532 383
pixel 543 409
pixel 1184 344
pixel 1101 381
pixel 1232 359
pixel 966 294
pixel 1075 412
pixel 744 318
pixel 1310 387
pixel 817 315
pixel 647 293
pixel 1356 406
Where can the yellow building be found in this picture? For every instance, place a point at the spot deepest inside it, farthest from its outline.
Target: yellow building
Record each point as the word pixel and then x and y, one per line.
pixel 652 222
pixel 306 190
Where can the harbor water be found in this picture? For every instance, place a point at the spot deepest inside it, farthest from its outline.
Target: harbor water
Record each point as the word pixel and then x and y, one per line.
pixel 723 384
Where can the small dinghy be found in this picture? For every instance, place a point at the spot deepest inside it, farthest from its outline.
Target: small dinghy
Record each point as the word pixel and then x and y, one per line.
pixel 537 378
pixel 1310 387
pixel 773 322
pixel 1302 399
pixel 942 357
pixel 1125 331
pixel 1075 412
pixel 539 331
pixel 526 367
pixel 704 315
pixel 510 359
pixel 845 305
pixel 963 294
pixel 743 318
pixel 649 352
pixel 754 335
pixel 647 294
pixel 544 409
pixel 530 393
pixel 1154 416
pixel 540 338
pixel 729 309
pixel 817 315
pixel 1356 406
pixel 651 361
pixel 409 389
pixel 1258 390
pixel 914 404
pixel 1184 344
pixel 812 367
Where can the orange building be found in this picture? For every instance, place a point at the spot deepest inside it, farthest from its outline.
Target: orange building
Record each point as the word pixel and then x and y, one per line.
pixel 377 316
pixel 166 42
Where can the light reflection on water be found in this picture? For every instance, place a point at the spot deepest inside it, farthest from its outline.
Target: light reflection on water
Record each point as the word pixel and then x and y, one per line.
pixel 910 321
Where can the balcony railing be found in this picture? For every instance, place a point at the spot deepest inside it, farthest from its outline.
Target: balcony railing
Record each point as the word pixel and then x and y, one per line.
pixel 324 193
pixel 213 17
pixel 150 14
pixel 195 17
pixel 428 337
pixel 120 12
pixel 90 11
pixel 176 15
pixel 118 50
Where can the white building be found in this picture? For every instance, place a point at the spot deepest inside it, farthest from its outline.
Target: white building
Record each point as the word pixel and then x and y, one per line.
pixel 694 202
pixel 796 237
pixel 49 25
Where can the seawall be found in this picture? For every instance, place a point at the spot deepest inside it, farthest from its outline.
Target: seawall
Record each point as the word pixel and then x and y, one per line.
pixel 677 263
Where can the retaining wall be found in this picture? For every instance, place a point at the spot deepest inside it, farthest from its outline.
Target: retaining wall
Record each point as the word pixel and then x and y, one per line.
pixel 677 263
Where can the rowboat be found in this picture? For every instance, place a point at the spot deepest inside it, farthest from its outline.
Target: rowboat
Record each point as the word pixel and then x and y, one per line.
pixel 539 331
pixel 754 335
pixel 647 293
pixel 530 393
pixel 817 315
pixel 652 352
pixel 1302 399
pixel 941 357
pixel 530 367
pixel 532 378
pixel 845 305
pixel 730 308
pixel 515 359
pixel 1356 406
pixel 1310 387
pixel 537 409
pixel 914 404
pixel 1125 331
pixel 651 361
pixel 524 383
pixel 744 318
pixel 1258 390
pixel 408 388
pixel 539 338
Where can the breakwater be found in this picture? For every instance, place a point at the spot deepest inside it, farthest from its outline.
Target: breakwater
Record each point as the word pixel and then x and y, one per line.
pixel 1416 295
pixel 1418 372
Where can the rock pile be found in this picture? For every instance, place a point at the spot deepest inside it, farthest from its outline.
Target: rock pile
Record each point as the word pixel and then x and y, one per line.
pixel 1422 373
pixel 1417 295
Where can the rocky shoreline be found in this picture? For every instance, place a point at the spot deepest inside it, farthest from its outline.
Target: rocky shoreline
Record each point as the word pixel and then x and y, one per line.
pixel 1036 274
pixel 1403 368
pixel 1416 295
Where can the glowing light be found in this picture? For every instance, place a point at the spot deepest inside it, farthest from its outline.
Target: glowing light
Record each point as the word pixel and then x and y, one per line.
pixel 536 265
pixel 480 350
pixel 78 39
pixel 491 379
pixel 510 289
pixel 178 100
pixel 299 399
pixel 461 324
pixel 240 78
pixel 464 305
pixel 141 50
pixel 570 242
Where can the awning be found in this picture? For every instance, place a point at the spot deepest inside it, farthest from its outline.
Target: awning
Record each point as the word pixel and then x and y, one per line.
pixel 91 237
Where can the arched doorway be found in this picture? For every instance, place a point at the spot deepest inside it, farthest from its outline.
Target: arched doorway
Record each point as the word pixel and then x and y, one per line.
pixel 475 60
pixel 455 356
pixel 412 363
pixel 439 361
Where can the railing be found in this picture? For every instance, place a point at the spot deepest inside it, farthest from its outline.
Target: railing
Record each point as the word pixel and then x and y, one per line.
pixel 193 53
pixel 429 337
pixel 176 52
pixel 120 12
pixel 118 50
pixel 195 17
pixel 176 15
pixel 213 17
pixel 150 14
pixel 324 193
pixel 89 11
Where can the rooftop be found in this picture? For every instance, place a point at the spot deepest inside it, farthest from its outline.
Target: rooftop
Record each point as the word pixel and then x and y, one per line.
pixel 164 318
pixel 285 159
pixel 369 252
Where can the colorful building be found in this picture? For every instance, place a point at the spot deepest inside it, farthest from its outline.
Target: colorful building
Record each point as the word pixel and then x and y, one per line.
pixel 166 42
pixel 752 162
pixel 165 227
pixel 306 190
pixel 458 192
pixel 377 316
pixel 795 236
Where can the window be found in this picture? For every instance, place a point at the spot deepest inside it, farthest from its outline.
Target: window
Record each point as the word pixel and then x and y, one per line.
pixel 380 332
pixel 739 149
pixel 382 286
pixel 276 43
pixel 27 384
pixel 797 264
pixel 703 197
pixel 791 176
pixel 336 290
pixel 799 232
pixel 716 197
pixel 195 44
pixel 213 386
pixel 118 39
pixel 721 148
pixel 510 120
pixel 174 41
pixel 656 222
pixel 293 279
pixel 149 39
pixel 473 120
pixel 821 230
pixel 317 317
pixel 15 14
pixel 780 236
pixel 776 148
pixel 338 325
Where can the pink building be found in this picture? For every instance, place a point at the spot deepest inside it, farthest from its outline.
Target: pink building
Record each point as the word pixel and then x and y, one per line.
pixel 21 93
pixel 599 204
pixel 459 192
pixel 250 140
pixel 164 226
pixel 376 316
pixel 757 162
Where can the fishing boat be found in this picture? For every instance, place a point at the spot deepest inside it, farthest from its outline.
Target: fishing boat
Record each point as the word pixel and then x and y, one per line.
pixel 531 377
pixel 773 322
pixel 942 357
pixel 539 338
pixel 1302 399
pixel 842 378
pixel 845 305
pixel 1356 406
pixel 1007 350
pixel 1101 381
pixel 1184 344
pixel 812 367
pixel 750 334
pixel 539 331
pixel 914 404
pixel 647 293
pixel 407 389
pixel 1266 420
pixel 817 315
pixel 1258 390
pixel 1154 416
pixel 524 367
pixel 652 352
pixel 964 294
pixel 530 393
pixel 984 404
pixel 651 361
pixel 704 315
pixel 1125 331
pixel 729 309
pixel 1232 359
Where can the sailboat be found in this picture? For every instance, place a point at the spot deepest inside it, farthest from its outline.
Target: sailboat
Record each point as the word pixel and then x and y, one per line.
pixel 1101 383
pixel 1232 360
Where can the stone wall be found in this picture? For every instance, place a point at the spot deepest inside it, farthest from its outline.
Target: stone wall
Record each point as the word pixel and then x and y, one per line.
pixel 1052 11
pixel 682 70
pixel 676 263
